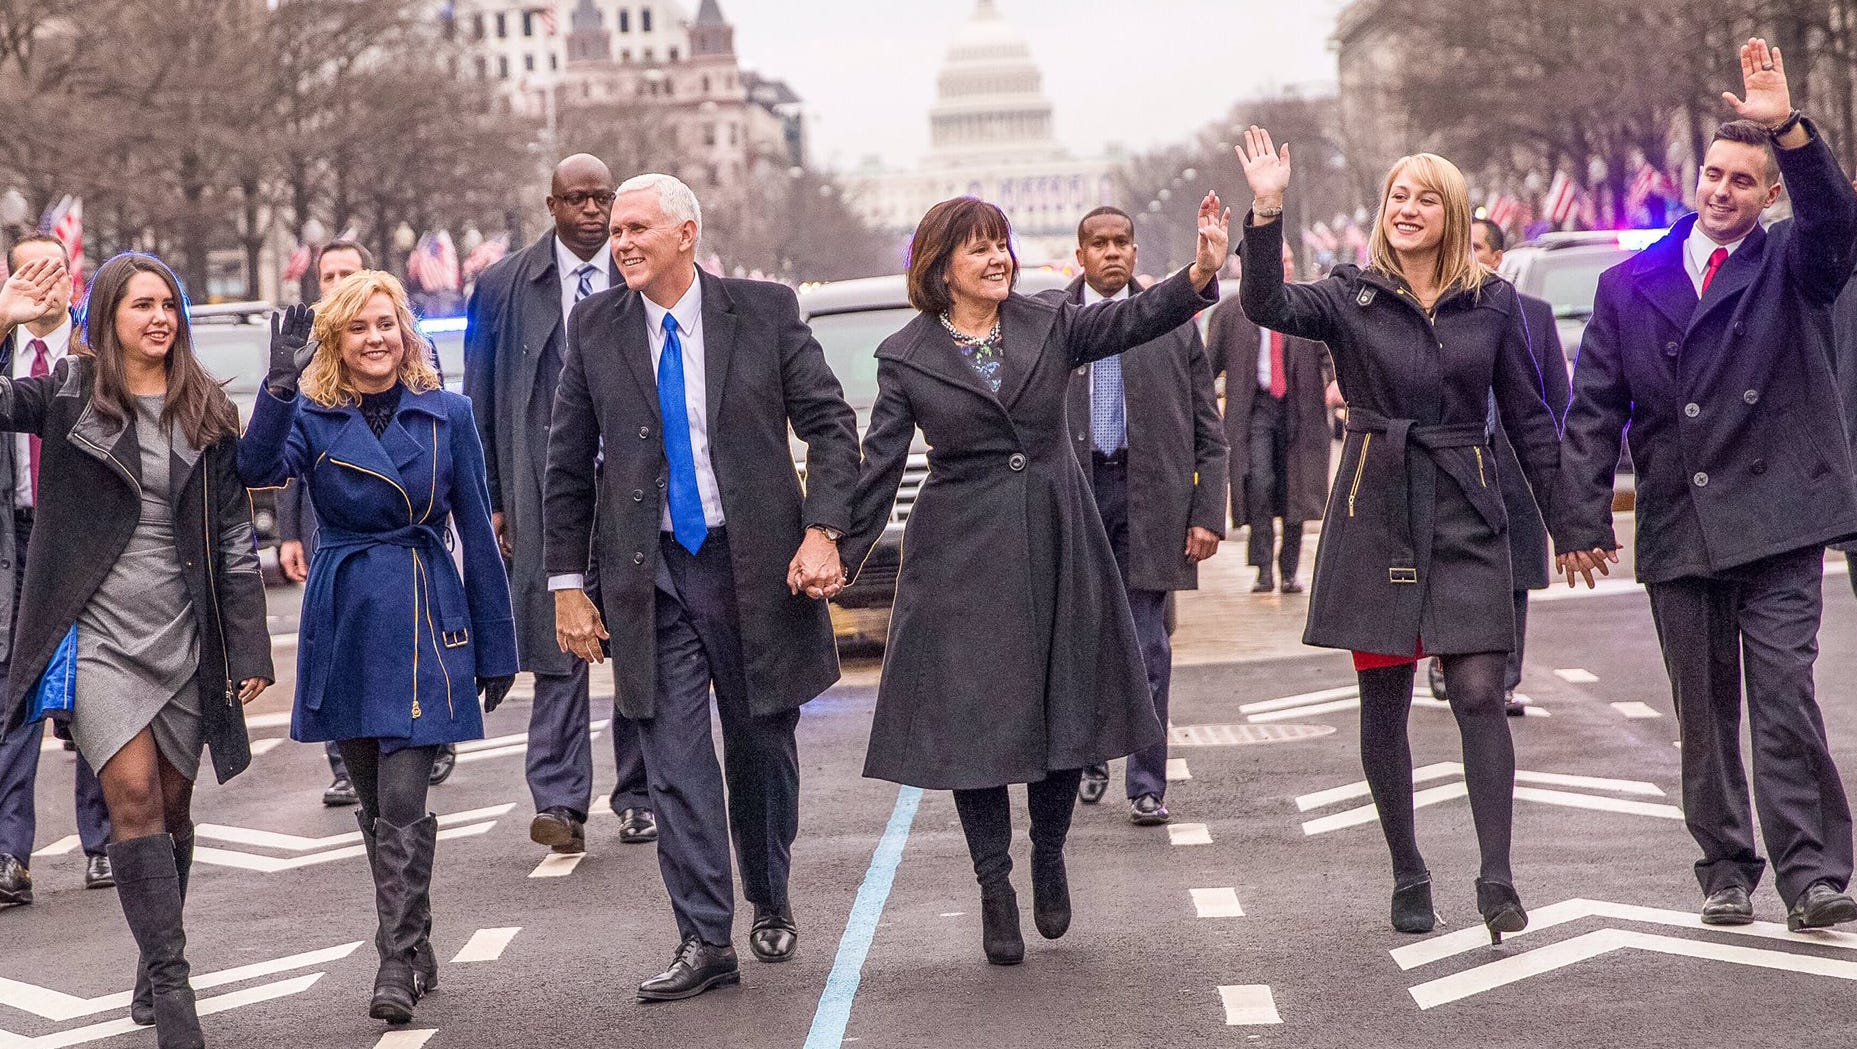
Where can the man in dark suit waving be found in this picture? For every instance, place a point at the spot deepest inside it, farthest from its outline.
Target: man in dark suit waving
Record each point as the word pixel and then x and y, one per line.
pixel 1715 345
pixel 691 382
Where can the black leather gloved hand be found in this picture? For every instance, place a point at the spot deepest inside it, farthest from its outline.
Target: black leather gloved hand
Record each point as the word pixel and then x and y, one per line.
pixel 291 348
pixel 493 689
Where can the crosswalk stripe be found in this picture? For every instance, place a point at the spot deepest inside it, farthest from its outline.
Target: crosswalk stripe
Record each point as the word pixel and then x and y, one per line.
pixel 1217 903
pixel 1249 1004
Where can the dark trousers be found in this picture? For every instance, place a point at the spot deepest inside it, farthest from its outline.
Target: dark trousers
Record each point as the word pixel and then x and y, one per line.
pixel 1267 487
pixel 19 759
pixel 560 757
pixel 1147 769
pixel 1759 622
pixel 1512 674
pixel 699 646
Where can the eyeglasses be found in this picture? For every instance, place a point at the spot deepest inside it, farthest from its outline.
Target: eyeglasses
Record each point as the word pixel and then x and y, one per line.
pixel 578 199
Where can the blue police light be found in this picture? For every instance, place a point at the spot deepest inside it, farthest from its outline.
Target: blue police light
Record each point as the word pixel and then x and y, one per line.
pixel 439 325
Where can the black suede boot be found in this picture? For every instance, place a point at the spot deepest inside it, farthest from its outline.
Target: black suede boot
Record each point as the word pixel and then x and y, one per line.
pixel 1050 893
pixel 423 958
pixel 999 922
pixel 142 1006
pixel 148 884
pixel 402 880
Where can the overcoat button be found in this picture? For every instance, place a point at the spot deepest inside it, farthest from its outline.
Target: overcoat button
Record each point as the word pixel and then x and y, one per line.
pixel 1701 479
pixel 1751 396
pixel 1082 437
pixel 660 482
pixel 638 495
pixel 1017 462
pixel 638 558
pixel 1692 409
pixel 644 432
pixel 1759 466
pixel 1670 349
pixel 1739 327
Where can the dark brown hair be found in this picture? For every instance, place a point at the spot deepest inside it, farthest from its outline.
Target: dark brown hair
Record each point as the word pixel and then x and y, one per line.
pixel 12 253
pixel 196 406
pixel 360 250
pixel 947 228
pixel 1750 133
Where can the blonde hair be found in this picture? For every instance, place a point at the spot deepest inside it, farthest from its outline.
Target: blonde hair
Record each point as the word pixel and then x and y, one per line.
pixel 326 381
pixel 1456 266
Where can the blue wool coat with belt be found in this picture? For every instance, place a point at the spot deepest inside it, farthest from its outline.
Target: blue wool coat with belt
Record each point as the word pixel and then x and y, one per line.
pixel 392 637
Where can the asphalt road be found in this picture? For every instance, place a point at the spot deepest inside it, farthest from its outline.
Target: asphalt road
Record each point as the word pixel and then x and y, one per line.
pixel 1257 919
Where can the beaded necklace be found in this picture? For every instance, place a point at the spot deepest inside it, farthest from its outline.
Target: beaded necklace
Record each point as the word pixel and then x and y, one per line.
pixel 985 354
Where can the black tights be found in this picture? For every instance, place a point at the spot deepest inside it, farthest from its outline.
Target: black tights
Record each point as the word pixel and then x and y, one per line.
pixel 392 786
pixel 1474 685
pixel 986 819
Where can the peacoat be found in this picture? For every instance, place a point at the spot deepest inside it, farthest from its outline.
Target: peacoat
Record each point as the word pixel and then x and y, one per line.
pixel 90 502
pixel 764 373
pixel 1011 651
pixel 1736 426
pixel 392 637
pixel 1414 546
pixel 1528 537
pixel 1232 342
pixel 1176 451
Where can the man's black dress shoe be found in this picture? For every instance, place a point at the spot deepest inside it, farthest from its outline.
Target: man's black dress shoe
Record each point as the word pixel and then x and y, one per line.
pixel 15 882
pixel 340 793
pixel 774 937
pixel 637 826
pixel 697 967
pixel 97 873
pixel 1093 785
pixel 560 830
pixel 1511 706
pixel 443 763
pixel 1147 811
pixel 1821 907
pixel 1265 583
pixel 1291 586
pixel 1729 906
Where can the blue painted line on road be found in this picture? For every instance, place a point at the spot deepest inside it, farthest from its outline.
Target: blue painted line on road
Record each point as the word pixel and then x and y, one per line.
pixel 841 988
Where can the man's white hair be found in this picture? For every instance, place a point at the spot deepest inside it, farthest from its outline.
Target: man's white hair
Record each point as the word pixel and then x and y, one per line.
pixel 678 202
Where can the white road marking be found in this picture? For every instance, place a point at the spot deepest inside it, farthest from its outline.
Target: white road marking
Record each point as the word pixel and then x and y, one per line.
pixel 1308 711
pixel 486 945
pixel 265 746
pixel 1636 711
pixel 1324 798
pixel 1616 786
pixel 1597 803
pixel 1306 699
pixel 1217 903
pixel 62 847
pixel 279 719
pixel 1367 813
pixel 514 743
pixel 1177 770
pixel 1188 834
pixel 952 914
pixel 51 743
pixel 405 1039
pixel 556 865
pixel 1248 1004
pixel 272 864
pixel 57 1005
pixel 265 839
pixel 1576 676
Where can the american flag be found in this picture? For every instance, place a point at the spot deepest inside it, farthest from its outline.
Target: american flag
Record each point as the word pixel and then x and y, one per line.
pixel 485 255
pixel 299 262
pixel 434 264
pixel 548 19
pixel 65 220
pixel 1504 210
pixel 1562 197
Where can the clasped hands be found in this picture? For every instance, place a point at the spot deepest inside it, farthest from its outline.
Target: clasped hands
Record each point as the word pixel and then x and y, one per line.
pixel 1585 563
pixel 815 569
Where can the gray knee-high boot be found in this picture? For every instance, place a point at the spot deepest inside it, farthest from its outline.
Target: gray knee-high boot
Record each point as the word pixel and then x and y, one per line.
pixel 423 959
pixel 402 881
pixel 148 884
pixel 142 1006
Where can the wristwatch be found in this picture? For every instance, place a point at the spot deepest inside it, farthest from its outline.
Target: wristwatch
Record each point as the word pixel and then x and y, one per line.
pixel 829 532
pixel 1791 121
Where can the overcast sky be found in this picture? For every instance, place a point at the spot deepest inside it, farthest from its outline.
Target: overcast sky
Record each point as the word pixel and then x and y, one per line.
pixel 1137 72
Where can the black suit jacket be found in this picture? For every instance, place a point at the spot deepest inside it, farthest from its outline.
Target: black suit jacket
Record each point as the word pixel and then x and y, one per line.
pixel 1176 451
pixel 1528 537
pixel 764 373
pixel 1736 424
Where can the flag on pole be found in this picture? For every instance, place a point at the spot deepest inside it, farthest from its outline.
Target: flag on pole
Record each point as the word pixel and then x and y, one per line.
pixel 548 19
pixel 434 265
pixel 485 255
pixel 65 221
pixel 1562 196
pixel 299 262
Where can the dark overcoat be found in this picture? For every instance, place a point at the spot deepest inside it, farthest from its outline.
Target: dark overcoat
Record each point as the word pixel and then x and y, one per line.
pixel 1011 650
pixel 1176 451
pixel 1735 420
pixel 90 476
pixel 514 323
pixel 1232 343
pixel 392 637
pixel 1414 545
pixel 1528 537
pixel 763 373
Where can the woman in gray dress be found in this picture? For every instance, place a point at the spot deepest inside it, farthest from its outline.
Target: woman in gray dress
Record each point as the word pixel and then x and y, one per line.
pixel 143 578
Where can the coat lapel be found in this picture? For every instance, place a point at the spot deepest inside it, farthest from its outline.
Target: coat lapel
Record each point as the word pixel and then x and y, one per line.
pixel 1734 276
pixel 719 323
pixel 1024 328
pixel 929 349
pixel 1659 276
pixel 627 327
pixel 108 441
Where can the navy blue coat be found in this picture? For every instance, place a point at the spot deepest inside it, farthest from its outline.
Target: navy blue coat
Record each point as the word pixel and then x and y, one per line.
pixel 392 638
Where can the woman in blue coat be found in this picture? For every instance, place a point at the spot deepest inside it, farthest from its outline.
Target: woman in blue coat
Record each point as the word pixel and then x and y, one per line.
pixel 395 644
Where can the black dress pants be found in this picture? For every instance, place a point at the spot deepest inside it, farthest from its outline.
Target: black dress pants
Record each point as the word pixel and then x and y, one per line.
pixel 1267 487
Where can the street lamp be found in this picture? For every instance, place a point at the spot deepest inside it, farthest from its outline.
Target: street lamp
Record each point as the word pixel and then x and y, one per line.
pixel 315 234
pixel 13 208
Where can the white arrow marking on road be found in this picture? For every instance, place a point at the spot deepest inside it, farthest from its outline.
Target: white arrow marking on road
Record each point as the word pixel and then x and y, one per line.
pixel 1177 770
pixel 1324 798
pixel 265 839
pixel 1249 1004
pixel 1334 700
pixel 1359 815
pixel 206 1007
pixel 272 865
pixel 515 743
pixel 57 1005
pixel 486 945
pixel 63 846
pixel 405 1039
pixel 280 719
pixel 557 865
pixel 1577 676
pixel 1188 834
pixel 1597 803
pixel 265 746
pixel 1367 813
pixel 1637 711
pixel 1217 903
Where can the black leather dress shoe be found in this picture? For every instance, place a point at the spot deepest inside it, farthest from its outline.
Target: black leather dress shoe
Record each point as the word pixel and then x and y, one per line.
pixel 1291 586
pixel 340 793
pixel 697 967
pixel 637 826
pixel 1821 907
pixel 15 882
pixel 1513 707
pixel 774 937
pixel 1265 583
pixel 1147 811
pixel 560 830
pixel 1090 789
pixel 443 763
pixel 98 874
pixel 1729 906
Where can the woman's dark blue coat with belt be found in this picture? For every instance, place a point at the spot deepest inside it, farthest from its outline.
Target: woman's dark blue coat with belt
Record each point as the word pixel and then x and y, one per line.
pixel 392 637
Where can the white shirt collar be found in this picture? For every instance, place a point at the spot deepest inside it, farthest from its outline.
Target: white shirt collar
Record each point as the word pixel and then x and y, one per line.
pixel 567 262
pixel 1091 296
pixel 58 343
pixel 688 310
pixel 1698 247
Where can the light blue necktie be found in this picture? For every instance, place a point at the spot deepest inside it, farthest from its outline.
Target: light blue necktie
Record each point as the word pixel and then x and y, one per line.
pixel 687 523
pixel 585 271
pixel 1108 415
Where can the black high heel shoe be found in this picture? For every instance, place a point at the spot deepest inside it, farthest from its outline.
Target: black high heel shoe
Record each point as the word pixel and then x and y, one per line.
pixel 1412 907
pixel 1501 909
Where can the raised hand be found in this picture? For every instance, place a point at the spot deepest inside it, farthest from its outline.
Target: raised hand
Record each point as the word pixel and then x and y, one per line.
pixel 1215 221
pixel 1763 78
pixel 291 349
pixel 25 293
pixel 1266 168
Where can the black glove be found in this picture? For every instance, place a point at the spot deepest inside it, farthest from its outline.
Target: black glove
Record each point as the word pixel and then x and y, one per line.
pixel 493 689
pixel 291 348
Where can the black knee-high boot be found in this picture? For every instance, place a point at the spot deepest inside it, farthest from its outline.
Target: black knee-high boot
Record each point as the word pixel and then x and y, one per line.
pixel 142 1006
pixel 423 958
pixel 402 865
pixel 1052 800
pixel 987 823
pixel 148 884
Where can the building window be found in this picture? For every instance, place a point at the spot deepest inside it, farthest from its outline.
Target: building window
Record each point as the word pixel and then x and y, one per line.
pixel 554 61
pixel 715 175
pixel 733 134
pixel 586 90
pixel 625 54
pixel 648 55
pixel 477 26
pixel 625 20
pixel 709 134
pixel 502 25
pixel 528 23
pixel 673 52
pixel 528 63
pixel 644 19
pixel 483 68
pixel 502 67
pixel 705 83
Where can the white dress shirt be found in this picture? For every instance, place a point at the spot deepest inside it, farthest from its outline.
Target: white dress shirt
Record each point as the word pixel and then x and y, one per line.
pixel 57 344
pixel 1263 358
pixel 1696 251
pixel 566 262
pixel 1091 297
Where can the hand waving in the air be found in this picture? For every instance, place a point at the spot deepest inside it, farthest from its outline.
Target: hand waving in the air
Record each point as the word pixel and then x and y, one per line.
pixel 1763 78
pixel 23 296
pixel 1215 239
pixel 1266 168
pixel 291 348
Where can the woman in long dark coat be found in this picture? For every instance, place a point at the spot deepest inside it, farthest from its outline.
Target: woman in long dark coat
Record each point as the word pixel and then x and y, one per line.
pixel 142 603
pixel 395 645
pixel 1413 558
pixel 1012 655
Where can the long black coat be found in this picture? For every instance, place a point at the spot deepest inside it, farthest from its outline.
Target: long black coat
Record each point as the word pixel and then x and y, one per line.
pixel 763 372
pixel 1176 452
pixel 1232 341
pixel 1011 651
pixel 1414 544
pixel 1528 537
pixel 1736 423
pixel 89 505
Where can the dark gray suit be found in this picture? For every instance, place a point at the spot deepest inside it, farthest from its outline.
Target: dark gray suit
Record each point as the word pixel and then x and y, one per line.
pixel 1528 538
pixel 513 350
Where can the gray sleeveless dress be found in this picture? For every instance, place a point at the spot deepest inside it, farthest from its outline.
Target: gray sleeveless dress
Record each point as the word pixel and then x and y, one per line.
pixel 138 644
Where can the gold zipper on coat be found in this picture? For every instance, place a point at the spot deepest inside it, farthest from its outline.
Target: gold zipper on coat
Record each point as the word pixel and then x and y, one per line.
pixel 1360 467
pixel 1480 478
pixel 384 477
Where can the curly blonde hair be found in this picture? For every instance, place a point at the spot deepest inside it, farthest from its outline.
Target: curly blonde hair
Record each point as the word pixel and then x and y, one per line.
pixel 326 381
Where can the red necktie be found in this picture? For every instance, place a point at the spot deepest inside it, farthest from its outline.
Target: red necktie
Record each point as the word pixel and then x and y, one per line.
pixel 1279 383
pixel 1716 258
pixel 41 365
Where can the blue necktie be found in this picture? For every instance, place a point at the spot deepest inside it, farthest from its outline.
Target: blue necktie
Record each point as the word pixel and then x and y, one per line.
pixel 1108 417
pixel 687 523
pixel 585 270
